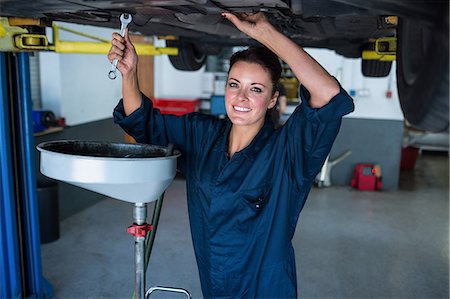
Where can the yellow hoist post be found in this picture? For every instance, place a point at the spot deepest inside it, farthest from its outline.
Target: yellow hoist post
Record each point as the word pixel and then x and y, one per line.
pixel 14 38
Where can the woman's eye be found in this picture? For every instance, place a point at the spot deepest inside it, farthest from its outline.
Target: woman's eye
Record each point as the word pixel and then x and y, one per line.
pixel 256 89
pixel 232 84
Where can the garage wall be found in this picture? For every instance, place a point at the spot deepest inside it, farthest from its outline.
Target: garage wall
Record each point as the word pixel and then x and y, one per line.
pixel 371 141
pixel 174 84
pixel 370 99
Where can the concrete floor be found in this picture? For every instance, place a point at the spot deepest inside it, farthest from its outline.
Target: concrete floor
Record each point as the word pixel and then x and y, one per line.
pixel 349 244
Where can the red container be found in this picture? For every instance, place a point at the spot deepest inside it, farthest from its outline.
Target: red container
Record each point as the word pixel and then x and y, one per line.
pixel 364 177
pixel 409 157
pixel 176 106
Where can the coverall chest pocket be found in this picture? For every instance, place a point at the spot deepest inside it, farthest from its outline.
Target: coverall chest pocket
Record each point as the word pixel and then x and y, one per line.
pixel 251 210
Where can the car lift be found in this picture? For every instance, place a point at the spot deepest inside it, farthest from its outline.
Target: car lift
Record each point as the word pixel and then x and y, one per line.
pixel 385 50
pixel 20 251
pixel 13 38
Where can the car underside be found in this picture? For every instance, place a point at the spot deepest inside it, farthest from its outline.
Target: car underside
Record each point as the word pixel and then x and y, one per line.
pixel 349 27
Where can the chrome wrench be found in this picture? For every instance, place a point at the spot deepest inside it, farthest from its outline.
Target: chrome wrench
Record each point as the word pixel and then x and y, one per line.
pixel 125 19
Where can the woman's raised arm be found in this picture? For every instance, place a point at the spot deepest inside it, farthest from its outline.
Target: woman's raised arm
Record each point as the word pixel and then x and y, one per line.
pixel 123 50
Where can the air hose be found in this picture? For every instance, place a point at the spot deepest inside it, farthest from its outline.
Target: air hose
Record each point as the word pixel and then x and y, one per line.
pixel 150 240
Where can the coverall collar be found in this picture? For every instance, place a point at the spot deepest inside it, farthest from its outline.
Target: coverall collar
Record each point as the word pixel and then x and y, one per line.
pixel 251 150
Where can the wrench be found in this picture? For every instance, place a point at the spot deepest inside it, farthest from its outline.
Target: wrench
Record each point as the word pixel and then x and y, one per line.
pixel 125 19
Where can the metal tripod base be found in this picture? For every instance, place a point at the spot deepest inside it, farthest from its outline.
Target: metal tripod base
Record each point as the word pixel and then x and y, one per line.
pixel 323 178
pixel 167 289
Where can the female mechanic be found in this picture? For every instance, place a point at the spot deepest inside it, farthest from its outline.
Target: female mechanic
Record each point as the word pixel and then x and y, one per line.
pixel 246 181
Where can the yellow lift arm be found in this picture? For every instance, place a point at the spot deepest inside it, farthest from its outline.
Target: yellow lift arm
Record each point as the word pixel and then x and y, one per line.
pixel 385 50
pixel 14 38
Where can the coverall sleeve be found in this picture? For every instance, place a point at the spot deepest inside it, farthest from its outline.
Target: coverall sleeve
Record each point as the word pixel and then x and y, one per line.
pixel 311 133
pixel 148 125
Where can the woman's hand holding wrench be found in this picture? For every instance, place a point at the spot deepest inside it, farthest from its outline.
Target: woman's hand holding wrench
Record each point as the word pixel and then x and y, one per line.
pixel 125 19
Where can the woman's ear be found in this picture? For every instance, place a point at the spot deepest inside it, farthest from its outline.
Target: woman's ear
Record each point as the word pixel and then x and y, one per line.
pixel 273 100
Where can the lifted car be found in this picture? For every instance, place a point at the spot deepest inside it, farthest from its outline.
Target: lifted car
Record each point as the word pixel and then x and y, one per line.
pixel 415 32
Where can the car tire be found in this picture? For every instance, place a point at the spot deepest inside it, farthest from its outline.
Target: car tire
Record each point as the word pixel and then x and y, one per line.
pixel 376 68
pixel 422 74
pixel 189 57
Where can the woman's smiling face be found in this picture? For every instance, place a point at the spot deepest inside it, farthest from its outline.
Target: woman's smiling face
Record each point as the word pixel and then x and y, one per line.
pixel 248 94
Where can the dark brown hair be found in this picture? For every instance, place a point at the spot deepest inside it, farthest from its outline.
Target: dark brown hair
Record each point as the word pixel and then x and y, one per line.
pixel 262 56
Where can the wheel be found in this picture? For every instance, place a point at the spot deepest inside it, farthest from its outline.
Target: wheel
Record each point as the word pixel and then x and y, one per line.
pixel 189 57
pixel 422 74
pixel 376 68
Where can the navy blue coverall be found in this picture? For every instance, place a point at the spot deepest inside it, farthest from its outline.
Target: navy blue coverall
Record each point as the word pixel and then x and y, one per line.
pixel 243 211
